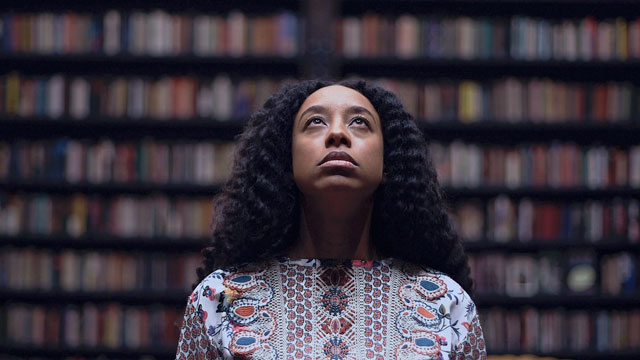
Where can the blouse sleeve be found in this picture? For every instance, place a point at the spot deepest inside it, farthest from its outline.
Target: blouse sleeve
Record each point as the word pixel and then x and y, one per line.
pixel 470 343
pixel 195 341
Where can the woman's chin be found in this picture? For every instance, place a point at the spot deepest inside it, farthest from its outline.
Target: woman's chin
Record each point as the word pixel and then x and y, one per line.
pixel 344 185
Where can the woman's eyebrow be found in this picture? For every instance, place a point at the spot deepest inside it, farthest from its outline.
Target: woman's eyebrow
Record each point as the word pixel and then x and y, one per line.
pixel 313 108
pixel 355 109
pixel 359 109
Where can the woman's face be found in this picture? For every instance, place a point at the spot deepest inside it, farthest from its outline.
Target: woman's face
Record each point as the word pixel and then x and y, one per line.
pixel 337 143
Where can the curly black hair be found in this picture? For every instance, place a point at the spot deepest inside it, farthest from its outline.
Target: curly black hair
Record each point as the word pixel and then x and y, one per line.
pixel 256 214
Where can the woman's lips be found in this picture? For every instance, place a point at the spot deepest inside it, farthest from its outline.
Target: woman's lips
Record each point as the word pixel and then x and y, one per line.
pixel 338 163
pixel 338 156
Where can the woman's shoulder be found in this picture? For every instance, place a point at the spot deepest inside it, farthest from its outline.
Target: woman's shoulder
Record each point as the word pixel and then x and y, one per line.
pixel 232 276
pixel 430 283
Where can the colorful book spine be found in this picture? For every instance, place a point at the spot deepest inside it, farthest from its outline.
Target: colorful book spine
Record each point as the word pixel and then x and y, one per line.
pixel 604 332
pixel 118 216
pixel 505 220
pixel 519 37
pixel 153 33
pixel 111 326
pixel 131 98
pixel 78 271
pixel 107 162
pixel 555 165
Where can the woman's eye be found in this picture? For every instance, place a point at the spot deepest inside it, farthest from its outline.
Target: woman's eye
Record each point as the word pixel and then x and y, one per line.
pixel 360 121
pixel 316 121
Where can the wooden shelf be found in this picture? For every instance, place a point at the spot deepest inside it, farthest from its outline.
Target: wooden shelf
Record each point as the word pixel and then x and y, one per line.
pixel 101 241
pixel 97 127
pixel 198 6
pixel 579 193
pixel 150 66
pixel 166 352
pixel 480 69
pixel 173 298
pixel 487 131
pixel 623 133
pixel 500 8
pixel 592 354
pixel 569 302
pixel 64 352
pixel 537 245
pixel 109 189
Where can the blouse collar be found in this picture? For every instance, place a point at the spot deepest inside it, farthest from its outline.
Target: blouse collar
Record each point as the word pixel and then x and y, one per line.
pixel 317 262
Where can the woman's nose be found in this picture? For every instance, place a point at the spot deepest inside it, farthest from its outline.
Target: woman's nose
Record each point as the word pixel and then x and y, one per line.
pixel 337 135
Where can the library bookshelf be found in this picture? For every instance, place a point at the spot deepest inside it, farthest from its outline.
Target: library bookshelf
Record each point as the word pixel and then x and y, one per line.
pixel 85 153
pixel 459 66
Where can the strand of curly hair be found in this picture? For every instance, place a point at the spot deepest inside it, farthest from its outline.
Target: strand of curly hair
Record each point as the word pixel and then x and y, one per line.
pixel 257 211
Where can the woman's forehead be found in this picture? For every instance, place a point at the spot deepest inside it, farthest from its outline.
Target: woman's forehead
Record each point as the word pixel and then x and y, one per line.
pixel 336 96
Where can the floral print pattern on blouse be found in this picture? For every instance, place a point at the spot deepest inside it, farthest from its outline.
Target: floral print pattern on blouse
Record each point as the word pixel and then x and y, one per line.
pixel 330 309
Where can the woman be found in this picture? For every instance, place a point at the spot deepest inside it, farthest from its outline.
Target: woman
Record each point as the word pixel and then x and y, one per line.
pixel 331 241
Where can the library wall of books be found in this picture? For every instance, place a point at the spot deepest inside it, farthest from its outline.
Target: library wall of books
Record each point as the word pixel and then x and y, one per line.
pixel 117 123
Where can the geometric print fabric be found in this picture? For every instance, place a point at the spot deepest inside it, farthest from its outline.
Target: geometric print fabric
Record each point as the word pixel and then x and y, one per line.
pixel 330 309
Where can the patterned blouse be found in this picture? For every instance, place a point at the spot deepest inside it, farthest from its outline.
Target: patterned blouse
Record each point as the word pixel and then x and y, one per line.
pixel 330 309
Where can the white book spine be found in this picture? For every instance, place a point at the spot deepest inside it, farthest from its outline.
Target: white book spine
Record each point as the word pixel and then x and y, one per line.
pixel 466 33
pixel 73 163
pixel 136 98
pixel 204 102
pixel 202 35
pixel 71 327
pixel 137 33
pixel 571 40
pixel 223 97
pixel 605 47
pixel 79 98
pixel 586 50
pixel 90 325
pixel 155 22
pixel 352 37
pixel 112 23
pixel 406 36
pixel 237 34
pixel 55 96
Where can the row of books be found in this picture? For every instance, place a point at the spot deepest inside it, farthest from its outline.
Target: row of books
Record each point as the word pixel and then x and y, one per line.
pixel 105 161
pixel 119 216
pixel 112 326
pixel 154 33
pixel 161 98
pixel 459 164
pixel 554 330
pixel 96 271
pixel 502 219
pixel 539 100
pixel 558 164
pixel 555 273
pixel 463 37
pixel 187 97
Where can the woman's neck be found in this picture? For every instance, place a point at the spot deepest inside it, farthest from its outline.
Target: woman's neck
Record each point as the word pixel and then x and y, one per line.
pixel 334 230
